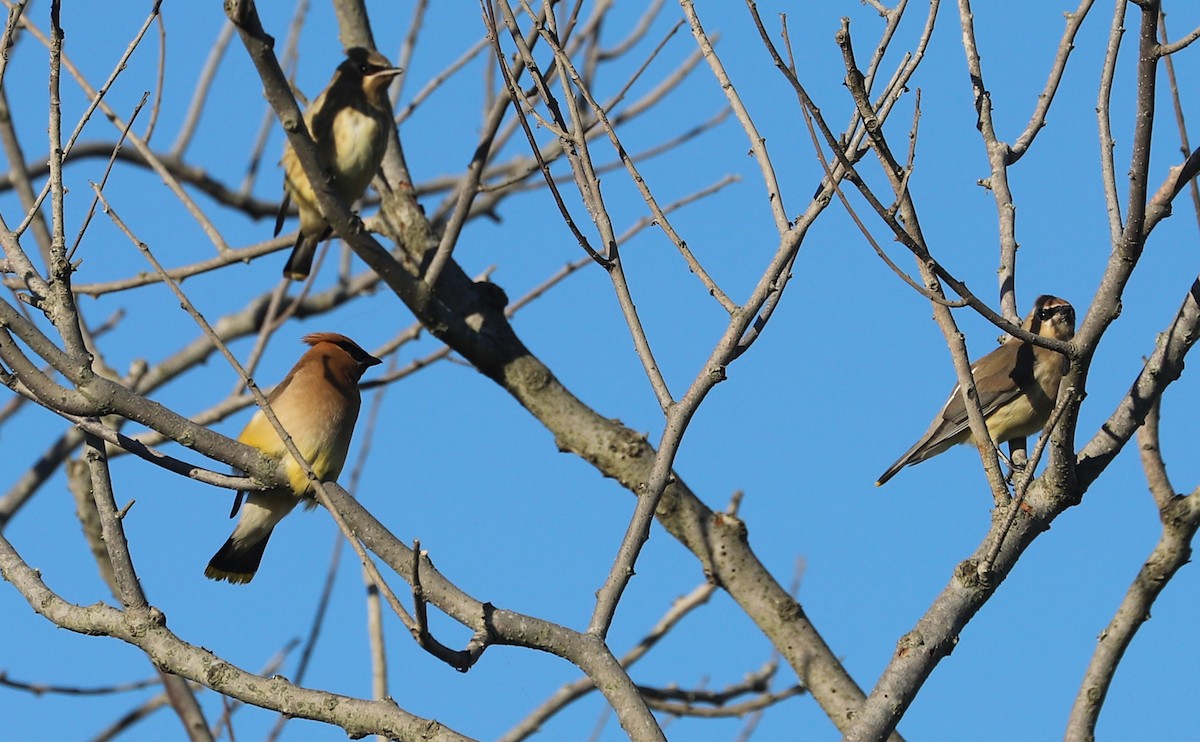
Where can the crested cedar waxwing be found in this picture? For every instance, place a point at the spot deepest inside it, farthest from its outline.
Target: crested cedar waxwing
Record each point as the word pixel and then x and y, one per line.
pixel 1017 385
pixel 317 404
pixel 348 122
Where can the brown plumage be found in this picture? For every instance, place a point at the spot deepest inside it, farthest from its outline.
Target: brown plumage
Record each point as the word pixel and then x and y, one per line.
pixel 348 122
pixel 1017 385
pixel 317 404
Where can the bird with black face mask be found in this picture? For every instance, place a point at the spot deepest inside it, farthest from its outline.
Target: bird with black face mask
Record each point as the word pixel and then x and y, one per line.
pixel 317 404
pixel 1017 385
pixel 348 122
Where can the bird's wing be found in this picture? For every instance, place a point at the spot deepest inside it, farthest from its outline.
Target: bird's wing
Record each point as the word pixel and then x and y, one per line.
pixel 995 389
pixel 999 377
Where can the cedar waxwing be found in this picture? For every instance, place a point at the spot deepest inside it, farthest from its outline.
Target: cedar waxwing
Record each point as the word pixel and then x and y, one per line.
pixel 348 122
pixel 317 404
pixel 1017 385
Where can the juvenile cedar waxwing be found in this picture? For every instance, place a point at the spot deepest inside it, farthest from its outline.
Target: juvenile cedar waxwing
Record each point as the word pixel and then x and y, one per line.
pixel 348 122
pixel 317 404
pixel 1017 385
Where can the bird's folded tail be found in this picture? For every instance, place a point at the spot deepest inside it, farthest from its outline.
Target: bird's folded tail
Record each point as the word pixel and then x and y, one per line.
pixel 918 453
pixel 299 263
pixel 891 472
pixel 237 560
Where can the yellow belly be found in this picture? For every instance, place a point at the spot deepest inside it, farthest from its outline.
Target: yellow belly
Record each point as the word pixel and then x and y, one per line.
pixel 1016 419
pixel 358 149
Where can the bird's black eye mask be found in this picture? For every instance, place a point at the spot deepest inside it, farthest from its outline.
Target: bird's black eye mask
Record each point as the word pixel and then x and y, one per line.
pixel 359 355
pixel 1045 313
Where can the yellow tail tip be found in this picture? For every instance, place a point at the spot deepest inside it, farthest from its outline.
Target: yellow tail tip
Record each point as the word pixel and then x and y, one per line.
pixel 235 578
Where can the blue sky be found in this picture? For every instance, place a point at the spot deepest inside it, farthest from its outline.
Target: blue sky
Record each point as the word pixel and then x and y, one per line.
pixel 846 377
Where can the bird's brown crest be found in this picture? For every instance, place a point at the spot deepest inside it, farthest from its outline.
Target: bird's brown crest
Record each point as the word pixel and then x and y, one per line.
pixel 352 348
pixel 336 338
